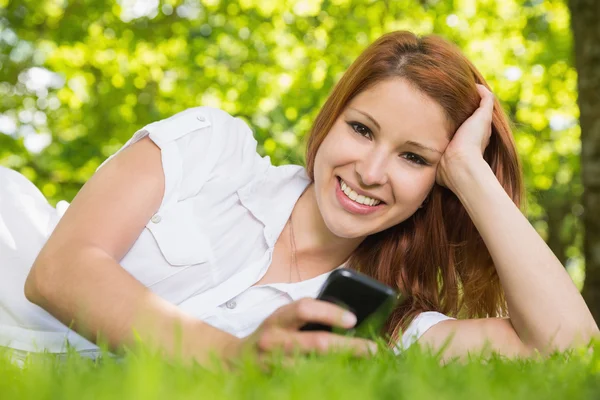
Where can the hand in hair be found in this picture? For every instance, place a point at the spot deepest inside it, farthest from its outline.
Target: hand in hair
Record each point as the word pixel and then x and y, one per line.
pixel 545 310
pixel 469 141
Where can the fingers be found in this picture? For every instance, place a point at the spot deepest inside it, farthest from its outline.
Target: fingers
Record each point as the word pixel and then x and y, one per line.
pixel 280 330
pixel 303 311
pixel 486 105
pixel 313 342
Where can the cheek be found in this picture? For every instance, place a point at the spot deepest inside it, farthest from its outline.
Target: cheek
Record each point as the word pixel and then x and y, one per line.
pixel 411 185
pixel 333 151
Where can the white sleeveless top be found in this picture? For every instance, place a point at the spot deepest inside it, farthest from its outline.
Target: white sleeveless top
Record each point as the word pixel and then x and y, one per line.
pixel 212 238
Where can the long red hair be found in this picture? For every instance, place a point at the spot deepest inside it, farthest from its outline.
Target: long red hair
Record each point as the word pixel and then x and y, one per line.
pixel 436 258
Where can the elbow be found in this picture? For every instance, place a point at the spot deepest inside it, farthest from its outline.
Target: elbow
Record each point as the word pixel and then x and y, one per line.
pixel 573 336
pixel 37 283
pixel 579 335
pixel 30 289
pixel 584 334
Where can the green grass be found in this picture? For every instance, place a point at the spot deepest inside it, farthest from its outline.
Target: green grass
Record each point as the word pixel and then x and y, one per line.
pixel 415 375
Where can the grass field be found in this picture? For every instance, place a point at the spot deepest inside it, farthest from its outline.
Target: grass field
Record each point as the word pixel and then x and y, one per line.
pixel 414 375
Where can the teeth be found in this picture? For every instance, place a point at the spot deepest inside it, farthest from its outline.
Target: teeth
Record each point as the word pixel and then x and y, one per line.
pixel 356 197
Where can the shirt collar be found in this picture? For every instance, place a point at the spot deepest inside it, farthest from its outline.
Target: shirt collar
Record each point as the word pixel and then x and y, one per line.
pixel 272 197
pixel 308 288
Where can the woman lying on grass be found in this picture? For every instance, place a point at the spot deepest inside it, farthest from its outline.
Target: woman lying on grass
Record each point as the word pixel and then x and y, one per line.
pixel 186 234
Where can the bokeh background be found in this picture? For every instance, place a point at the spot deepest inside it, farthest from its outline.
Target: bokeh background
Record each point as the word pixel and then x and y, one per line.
pixel 78 78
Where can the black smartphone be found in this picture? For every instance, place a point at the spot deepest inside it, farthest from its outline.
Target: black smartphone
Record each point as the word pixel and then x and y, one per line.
pixel 370 300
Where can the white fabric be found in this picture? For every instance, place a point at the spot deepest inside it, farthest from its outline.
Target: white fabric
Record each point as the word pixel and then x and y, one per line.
pixel 418 327
pixel 212 238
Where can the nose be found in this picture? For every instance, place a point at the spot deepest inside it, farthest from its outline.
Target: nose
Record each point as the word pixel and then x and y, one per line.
pixel 372 169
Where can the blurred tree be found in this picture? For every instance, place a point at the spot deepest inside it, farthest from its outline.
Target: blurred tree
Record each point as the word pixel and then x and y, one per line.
pixel 585 16
pixel 79 77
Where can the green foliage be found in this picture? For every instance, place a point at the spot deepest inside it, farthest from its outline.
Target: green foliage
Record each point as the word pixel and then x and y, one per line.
pixel 415 375
pixel 121 65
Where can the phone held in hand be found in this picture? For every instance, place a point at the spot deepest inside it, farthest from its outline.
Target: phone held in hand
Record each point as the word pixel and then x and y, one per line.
pixel 370 300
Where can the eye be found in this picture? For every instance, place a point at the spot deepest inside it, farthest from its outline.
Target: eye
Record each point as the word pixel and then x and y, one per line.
pixel 361 129
pixel 416 159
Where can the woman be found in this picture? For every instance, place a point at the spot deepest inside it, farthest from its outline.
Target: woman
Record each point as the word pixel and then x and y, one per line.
pixel 189 240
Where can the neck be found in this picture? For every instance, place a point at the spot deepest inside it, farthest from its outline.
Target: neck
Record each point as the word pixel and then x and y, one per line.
pixel 316 245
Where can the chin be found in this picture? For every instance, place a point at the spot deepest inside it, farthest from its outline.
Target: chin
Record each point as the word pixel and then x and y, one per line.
pixel 345 232
pixel 342 227
pixel 339 223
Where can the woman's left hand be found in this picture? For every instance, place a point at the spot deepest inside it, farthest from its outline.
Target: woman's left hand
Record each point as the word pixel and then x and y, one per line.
pixel 469 142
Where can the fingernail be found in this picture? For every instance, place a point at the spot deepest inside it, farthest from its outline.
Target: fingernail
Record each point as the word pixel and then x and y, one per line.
pixel 349 319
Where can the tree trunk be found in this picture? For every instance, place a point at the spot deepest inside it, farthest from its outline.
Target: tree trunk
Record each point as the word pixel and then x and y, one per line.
pixel 556 210
pixel 585 15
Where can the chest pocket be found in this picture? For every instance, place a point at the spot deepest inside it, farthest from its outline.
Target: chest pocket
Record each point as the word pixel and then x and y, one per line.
pixel 179 239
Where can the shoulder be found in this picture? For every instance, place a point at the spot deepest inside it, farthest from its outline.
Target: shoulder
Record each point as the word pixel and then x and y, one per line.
pixel 420 325
pixel 188 120
pixel 210 114
pixel 213 116
pixel 205 137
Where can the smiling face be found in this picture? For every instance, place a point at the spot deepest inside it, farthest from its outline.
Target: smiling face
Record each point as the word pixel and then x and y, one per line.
pixel 383 151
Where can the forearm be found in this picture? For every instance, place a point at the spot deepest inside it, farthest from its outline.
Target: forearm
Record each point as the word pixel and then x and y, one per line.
pixel 545 306
pixel 93 294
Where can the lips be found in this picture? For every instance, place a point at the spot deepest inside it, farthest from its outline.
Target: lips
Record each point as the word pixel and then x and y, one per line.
pixel 359 192
pixel 352 206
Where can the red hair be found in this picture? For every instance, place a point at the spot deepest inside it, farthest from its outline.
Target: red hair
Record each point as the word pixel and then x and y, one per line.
pixel 435 258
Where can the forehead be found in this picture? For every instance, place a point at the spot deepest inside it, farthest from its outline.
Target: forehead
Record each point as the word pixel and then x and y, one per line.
pixel 400 108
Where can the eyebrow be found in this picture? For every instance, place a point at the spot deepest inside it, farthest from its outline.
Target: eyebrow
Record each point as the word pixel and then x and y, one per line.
pixel 422 146
pixel 410 142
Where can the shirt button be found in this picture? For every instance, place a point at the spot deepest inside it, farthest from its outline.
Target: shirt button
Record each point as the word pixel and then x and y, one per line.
pixel 156 219
pixel 231 304
pixel 201 118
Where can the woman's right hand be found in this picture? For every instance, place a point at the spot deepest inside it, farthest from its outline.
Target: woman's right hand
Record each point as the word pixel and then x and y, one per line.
pixel 280 332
